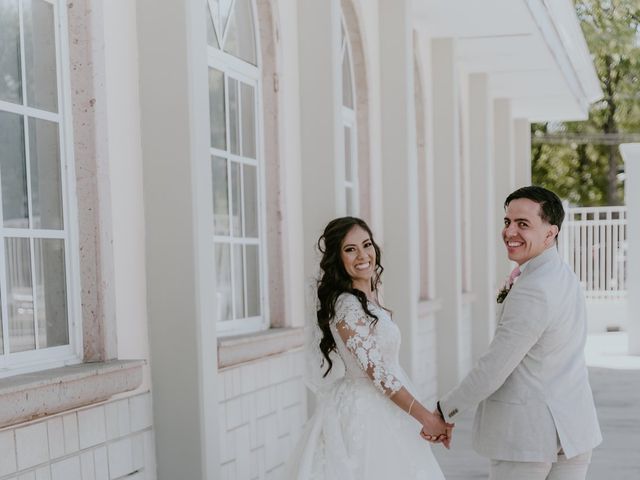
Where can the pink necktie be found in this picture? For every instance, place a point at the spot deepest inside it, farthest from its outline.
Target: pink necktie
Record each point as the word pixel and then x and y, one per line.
pixel 514 274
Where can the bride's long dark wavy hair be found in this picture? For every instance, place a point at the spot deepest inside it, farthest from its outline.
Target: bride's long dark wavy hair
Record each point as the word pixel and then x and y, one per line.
pixel 335 280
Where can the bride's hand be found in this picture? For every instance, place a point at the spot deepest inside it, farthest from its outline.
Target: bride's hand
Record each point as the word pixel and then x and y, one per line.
pixel 436 430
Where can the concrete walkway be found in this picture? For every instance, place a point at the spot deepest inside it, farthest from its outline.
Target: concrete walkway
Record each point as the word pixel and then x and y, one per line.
pixel 615 380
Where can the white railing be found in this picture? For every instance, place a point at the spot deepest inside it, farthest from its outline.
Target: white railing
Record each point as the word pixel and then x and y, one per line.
pixel 594 241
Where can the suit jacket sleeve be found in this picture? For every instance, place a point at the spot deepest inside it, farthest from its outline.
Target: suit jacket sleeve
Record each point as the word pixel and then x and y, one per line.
pixel 524 319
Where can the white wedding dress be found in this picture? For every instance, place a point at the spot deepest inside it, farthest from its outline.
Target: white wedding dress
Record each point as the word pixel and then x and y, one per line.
pixel 356 431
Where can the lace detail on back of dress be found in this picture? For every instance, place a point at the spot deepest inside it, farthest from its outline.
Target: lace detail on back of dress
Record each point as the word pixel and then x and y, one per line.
pixel 365 348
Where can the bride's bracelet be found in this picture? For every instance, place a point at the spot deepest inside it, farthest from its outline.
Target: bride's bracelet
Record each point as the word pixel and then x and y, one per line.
pixel 411 405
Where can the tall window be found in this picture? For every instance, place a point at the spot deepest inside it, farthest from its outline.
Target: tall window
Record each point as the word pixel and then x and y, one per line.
pixel 237 167
pixel 35 285
pixel 349 124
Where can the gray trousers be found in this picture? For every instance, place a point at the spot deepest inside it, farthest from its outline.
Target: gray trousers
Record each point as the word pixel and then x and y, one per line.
pixel 564 468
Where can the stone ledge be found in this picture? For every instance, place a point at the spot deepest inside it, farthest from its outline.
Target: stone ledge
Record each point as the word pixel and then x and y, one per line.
pixel 32 395
pixel 244 348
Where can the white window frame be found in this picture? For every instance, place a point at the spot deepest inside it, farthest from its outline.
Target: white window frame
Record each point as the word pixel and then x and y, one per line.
pixel 349 120
pixel 250 74
pixel 351 187
pixel 51 357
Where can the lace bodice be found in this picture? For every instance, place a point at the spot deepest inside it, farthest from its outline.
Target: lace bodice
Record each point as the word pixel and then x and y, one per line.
pixel 366 349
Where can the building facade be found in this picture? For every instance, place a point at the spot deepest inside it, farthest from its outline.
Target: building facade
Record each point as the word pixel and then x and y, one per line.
pixel 167 168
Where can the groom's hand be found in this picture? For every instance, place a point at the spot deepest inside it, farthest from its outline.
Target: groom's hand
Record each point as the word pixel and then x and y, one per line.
pixel 445 438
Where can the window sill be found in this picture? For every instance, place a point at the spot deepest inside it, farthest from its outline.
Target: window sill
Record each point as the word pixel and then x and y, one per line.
pixel 468 298
pixel 32 395
pixel 245 348
pixel 429 307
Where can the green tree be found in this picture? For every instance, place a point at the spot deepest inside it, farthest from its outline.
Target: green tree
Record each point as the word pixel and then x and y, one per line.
pixel 588 173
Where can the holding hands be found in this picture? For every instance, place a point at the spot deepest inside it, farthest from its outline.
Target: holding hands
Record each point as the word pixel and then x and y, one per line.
pixel 436 430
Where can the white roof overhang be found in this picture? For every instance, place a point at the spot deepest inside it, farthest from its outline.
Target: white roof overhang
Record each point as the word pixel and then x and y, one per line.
pixel 533 52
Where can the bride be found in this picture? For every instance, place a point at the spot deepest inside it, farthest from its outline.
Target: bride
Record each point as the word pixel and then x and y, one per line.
pixel 362 427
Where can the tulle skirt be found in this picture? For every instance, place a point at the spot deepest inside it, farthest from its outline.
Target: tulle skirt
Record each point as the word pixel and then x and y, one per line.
pixel 357 433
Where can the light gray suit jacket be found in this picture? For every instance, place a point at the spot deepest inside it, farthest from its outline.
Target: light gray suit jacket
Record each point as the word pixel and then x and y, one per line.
pixel 532 382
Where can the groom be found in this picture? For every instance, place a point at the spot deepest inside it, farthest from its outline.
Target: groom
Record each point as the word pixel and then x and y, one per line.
pixel 536 419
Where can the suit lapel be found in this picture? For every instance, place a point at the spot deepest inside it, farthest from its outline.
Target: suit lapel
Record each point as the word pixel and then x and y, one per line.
pixel 547 256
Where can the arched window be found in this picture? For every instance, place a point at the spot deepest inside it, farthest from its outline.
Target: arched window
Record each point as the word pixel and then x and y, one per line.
pixel 349 124
pixel 237 166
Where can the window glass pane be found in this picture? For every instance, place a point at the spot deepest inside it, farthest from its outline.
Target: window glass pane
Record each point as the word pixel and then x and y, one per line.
pixel 347 84
pixel 22 334
pixel 46 184
pixel 238 280
pixel 253 280
pixel 51 291
pixel 220 196
pixel 212 39
pixel 350 206
pixel 248 121
pixel 223 281
pixel 13 171
pixel 236 199
pixel 250 180
pixel 240 40
pixel 234 117
pixel 216 109
pixel 348 168
pixel 40 54
pixel 224 12
pixel 10 72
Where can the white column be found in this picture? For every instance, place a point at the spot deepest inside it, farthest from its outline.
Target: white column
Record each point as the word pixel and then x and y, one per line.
pixel 179 233
pixel 522 151
pixel 448 216
pixel 399 172
pixel 322 151
pixel 126 176
pixel 631 155
pixel 483 221
pixel 504 175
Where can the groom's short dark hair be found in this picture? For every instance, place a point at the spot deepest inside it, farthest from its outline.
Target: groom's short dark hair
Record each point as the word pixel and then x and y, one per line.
pixel 551 209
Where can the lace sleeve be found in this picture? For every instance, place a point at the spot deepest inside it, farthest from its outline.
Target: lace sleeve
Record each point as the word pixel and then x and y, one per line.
pixel 357 333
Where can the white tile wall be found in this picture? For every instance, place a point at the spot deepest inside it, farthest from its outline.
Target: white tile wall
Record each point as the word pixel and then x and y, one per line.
pixel 43 473
pixel 71 438
pixel 101 463
pixel 32 445
pixel 141 412
pixel 67 469
pixel 120 455
pixel 91 423
pixel 149 455
pixel 87 466
pixel 426 372
pixel 8 448
pixel 104 442
pixel 117 417
pixel 55 428
pixel 137 450
pixel 263 407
